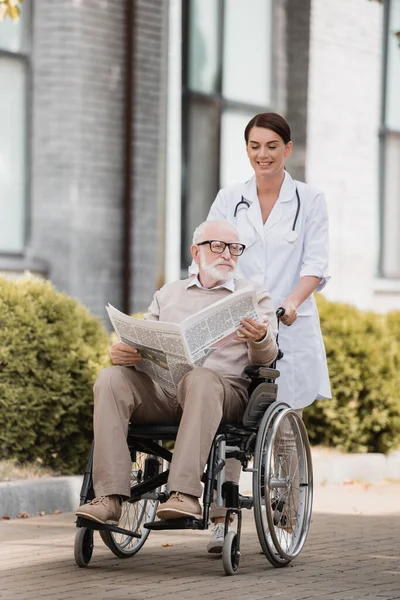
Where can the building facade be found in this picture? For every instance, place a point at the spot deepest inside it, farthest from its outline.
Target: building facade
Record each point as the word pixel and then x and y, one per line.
pixel 125 117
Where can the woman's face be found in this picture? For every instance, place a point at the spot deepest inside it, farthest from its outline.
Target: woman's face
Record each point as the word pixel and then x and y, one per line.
pixel 267 151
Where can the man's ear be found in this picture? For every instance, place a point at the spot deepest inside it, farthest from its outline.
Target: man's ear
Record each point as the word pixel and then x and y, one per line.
pixel 195 252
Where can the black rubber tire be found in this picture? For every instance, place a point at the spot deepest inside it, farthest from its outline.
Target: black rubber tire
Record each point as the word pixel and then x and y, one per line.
pixel 230 554
pixel 83 546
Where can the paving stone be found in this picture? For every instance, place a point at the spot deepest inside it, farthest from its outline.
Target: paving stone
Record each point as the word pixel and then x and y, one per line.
pixel 348 556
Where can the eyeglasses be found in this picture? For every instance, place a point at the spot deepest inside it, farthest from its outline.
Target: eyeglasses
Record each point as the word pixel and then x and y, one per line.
pixel 218 247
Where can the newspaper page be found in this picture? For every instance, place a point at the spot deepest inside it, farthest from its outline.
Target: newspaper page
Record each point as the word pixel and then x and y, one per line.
pixel 162 346
pixel 170 350
pixel 217 324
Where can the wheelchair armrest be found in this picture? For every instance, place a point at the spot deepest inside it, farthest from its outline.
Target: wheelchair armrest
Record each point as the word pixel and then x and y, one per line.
pixel 259 401
pixel 259 371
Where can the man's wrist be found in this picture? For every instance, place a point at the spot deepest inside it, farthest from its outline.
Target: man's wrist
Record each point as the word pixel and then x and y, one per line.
pixel 265 336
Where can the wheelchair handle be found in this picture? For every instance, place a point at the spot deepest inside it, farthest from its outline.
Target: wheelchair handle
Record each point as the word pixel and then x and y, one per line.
pixel 280 312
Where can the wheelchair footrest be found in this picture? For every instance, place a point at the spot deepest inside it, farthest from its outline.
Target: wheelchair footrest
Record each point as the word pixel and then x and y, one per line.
pixel 184 523
pixel 81 522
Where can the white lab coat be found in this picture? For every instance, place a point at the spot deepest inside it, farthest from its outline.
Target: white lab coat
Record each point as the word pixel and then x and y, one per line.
pixel 270 259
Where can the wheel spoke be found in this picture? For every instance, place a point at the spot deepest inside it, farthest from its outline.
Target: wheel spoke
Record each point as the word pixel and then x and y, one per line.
pixel 283 479
pixel 134 515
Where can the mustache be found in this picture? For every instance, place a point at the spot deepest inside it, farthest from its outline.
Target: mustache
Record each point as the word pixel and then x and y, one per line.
pixel 220 261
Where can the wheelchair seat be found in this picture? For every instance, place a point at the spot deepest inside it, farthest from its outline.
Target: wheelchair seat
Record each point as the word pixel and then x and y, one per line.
pixel 168 432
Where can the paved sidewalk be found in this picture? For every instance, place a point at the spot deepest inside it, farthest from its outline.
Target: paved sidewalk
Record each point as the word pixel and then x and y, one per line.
pixel 352 553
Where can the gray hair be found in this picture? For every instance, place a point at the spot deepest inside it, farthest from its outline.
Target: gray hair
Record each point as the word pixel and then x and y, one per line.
pixel 199 233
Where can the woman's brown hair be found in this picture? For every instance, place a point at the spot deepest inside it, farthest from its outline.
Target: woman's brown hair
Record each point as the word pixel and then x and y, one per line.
pixel 271 121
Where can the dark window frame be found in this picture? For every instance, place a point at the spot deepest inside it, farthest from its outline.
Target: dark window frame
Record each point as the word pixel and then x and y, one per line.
pixel 24 57
pixel 216 99
pixel 384 133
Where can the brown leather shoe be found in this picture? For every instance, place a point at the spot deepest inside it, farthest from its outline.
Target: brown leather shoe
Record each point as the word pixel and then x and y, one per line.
pixel 102 509
pixel 179 506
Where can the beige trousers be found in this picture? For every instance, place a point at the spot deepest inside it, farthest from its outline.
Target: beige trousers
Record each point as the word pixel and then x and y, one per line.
pixel 203 399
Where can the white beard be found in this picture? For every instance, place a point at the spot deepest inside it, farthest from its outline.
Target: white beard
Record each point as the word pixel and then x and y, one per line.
pixel 214 273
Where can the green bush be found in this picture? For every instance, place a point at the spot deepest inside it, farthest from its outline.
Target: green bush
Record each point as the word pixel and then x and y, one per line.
pixel 363 353
pixel 51 349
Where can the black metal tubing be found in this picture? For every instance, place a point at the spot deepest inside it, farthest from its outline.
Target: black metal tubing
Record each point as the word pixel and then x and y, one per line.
pixel 168 524
pixel 87 484
pixel 81 522
pixel 150 447
pixel 209 480
pixel 148 486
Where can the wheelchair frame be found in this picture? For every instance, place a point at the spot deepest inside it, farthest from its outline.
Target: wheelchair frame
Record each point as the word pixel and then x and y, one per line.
pixel 256 436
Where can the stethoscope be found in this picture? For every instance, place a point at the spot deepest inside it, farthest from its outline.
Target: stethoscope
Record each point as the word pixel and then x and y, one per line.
pixel 292 235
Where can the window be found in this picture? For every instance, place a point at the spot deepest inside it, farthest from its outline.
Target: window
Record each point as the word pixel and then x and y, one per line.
pixel 227 79
pixel 14 47
pixel 389 263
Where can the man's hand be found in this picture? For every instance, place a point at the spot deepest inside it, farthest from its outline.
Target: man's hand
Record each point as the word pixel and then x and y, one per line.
pixel 123 355
pixel 290 313
pixel 251 330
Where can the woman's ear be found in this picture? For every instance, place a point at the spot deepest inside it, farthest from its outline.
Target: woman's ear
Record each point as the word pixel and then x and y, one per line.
pixel 288 149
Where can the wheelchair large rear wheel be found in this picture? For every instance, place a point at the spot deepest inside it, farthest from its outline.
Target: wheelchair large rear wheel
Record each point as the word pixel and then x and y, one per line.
pixel 135 514
pixel 282 484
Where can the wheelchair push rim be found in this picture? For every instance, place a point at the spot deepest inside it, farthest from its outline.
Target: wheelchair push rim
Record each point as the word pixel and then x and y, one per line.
pixel 282 484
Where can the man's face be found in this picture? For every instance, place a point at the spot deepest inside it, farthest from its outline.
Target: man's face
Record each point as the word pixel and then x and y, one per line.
pixel 216 267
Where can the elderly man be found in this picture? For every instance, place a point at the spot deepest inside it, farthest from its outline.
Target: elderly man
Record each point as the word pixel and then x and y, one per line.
pixel 204 397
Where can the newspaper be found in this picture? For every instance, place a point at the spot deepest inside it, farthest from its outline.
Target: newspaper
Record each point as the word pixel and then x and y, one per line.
pixel 170 350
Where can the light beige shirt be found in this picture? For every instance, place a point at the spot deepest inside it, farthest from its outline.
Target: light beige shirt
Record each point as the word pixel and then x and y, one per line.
pixel 180 299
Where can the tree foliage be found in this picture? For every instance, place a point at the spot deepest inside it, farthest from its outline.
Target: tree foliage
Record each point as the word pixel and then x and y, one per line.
pixel 10 8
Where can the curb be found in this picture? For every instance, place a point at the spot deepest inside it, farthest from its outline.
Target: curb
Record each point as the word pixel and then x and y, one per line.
pixel 62 493
pixel 331 467
pixel 35 495
pixel 369 467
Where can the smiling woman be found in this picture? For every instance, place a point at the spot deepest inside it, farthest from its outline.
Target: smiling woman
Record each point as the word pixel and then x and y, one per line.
pixel 284 225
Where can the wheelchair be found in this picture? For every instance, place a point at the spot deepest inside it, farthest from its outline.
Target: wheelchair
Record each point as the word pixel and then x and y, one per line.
pixel 271 442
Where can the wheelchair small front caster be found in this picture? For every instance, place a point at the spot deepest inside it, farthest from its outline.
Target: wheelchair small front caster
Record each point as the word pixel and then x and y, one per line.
pixel 83 546
pixel 230 553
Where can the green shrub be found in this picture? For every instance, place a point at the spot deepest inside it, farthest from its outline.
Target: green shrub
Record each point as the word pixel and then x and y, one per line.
pixel 51 349
pixel 363 358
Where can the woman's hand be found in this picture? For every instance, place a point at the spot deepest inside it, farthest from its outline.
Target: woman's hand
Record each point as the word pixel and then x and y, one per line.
pixel 305 288
pixel 124 355
pixel 251 330
pixel 290 313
